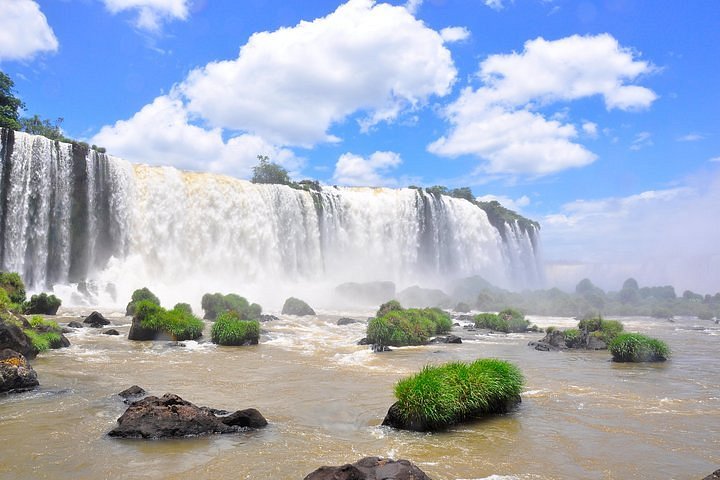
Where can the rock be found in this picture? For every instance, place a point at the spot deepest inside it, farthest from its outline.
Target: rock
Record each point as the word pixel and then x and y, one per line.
pixel 295 306
pixel 347 321
pixel 140 333
pixel 363 341
pixel 111 331
pixel 42 304
pixel 133 391
pixel 594 343
pixel 171 416
pixel 417 297
pixel 551 342
pixel 16 375
pixel 96 320
pixel 446 339
pixel 713 476
pixel 371 468
pixel 462 307
pixel 267 318
pixel 381 348
pixel 542 346
pixel 369 293
pixel 13 338
pixel 75 324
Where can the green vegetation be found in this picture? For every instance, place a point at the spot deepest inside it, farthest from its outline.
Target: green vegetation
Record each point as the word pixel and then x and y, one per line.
pixel 230 329
pixel 9 103
pixel 5 302
pixel 185 307
pixel 572 335
pixel 140 295
pixel 269 172
pixel 442 395
pixel 216 303
pixel 178 322
pixel 13 284
pixel 407 326
pixel 42 303
pixel 388 307
pixel 635 347
pixel 44 334
pixel 605 330
pixel 508 320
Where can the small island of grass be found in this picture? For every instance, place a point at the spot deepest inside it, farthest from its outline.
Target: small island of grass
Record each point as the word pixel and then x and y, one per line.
pixel 443 395
pixel 230 329
pixel 635 347
pixel 397 327
pixel 507 321
pixel 153 322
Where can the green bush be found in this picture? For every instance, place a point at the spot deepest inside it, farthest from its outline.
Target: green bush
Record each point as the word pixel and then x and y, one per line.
pixel 216 303
pixel 5 302
pixel 442 395
pixel 185 307
pixel 388 307
pixel 229 329
pixel 490 321
pixel 44 334
pixel 408 327
pixel 42 303
pixel 139 295
pixel 635 347
pixel 12 283
pixel 178 322
pixel 571 335
pixel 508 320
pixel 550 329
pixel 605 330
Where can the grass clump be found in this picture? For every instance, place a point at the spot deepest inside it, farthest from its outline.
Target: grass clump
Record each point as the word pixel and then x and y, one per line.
pixel 635 347
pixel 443 395
pixel 42 334
pixel 216 303
pixel 139 295
pixel 13 284
pixel 230 329
pixel 507 321
pixel 178 322
pixel 404 327
pixel 605 330
pixel 42 303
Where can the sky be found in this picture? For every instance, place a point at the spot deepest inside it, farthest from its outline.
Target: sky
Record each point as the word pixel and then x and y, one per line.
pixel 597 118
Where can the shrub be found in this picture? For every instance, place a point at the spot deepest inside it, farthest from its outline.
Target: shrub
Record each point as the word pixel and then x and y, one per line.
pixel 442 395
pixel 44 334
pixel 388 307
pixel 550 329
pixel 5 302
pixel 42 303
pixel 515 320
pixel 181 324
pixel 408 327
pixel 185 307
pixel 572 335
pixel 39 323
pixel 229 329
pixel 605 330
pixel 139 295
pixel 216 303
pixel 489 320
pixel 509 320
pixel 12 283
pixel 635 347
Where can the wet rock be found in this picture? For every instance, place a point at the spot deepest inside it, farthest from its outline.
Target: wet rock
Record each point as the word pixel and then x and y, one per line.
pixel 267 318
pixel 134 391
pixel 111 331
pixel 96 320
pixel 171 416
pixel 371 468
pixel 75 324
pixel 363 341
pixel 16 374
pixel 13 338
pixel 347 321
pixel 295 306
pixel 381 348
pixel 446 339
pixel 713 476
pixel 551 342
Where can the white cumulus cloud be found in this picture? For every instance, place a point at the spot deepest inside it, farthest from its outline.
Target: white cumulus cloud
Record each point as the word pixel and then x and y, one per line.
pixel 516 204
pixel 151 13
pixel 293 84
pixel 494 4
pixel 454 34
pixel 500 122
pixel 24 30
pixel 356 171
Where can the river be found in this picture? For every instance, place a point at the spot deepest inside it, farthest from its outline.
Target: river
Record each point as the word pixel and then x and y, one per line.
pixel 582 416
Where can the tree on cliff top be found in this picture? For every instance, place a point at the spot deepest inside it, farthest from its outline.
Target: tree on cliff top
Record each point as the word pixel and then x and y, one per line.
pixel 9 103
pixel 269 172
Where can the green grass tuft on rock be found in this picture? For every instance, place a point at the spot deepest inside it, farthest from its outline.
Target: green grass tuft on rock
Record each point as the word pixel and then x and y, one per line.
pixel 178 322
pixel 635 347
pixel 507 321
pixel 140 295
pixel 229 329
pixel 443 395
pixel 405 327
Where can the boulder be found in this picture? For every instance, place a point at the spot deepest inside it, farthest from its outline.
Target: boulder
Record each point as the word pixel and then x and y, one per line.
pixel 13 338
pixel 713 476
pixel 417 297
pixel 75 324
pixel 552 341
pixel 111 331
pixel 267 318
pixel 16 375
pixel 96 320
pixel 446 339
pixel 171 416
pixel 295 306
pixel 131 392
pixel 347 321
pixel 371 468
pixel 140 333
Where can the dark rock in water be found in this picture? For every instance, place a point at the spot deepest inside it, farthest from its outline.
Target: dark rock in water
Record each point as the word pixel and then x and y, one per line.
pixel 555 340
pixel 347 321
pixel 369 293
pixel 75 324
pixel 381 348
pixel 13 338
pixel 16 374
pixel 133 391
pixel 713 476
pixel 363 341
pixel 267 318
pixel 418 297
pixel 594 343
pixel 295 306
pixel 371 468
pixel 171 416
pixel 542 346
pixel 446 339
pixel 465 318
pixel 96 320
pixel 456 324
pixel 63 343
pixel 111 331
pixel 552 341
pixel 175 345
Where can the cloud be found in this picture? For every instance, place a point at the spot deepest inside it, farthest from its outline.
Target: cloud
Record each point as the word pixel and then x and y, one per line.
pixel 715 159
pixel 356 171
pixel 151 13
pixel 507 202
pixel 494 4
pixel 590 128
pixel 659 237
pixel 161 133
pixel 500 122
pixel 292 85
pixel 454 34
pixel 691 137
pixel 24 31
pixel 641 140
pixel 412 6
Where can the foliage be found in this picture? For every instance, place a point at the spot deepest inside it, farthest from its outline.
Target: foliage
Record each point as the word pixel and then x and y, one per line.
pixel 408 326
pixel 42 341
pixel 178 322
pixel 388 307
pixel 508 320
pixel 635 347
pixel 37 126
pixel 42 303
pixel 216 303
pixel 572 335
pixel 9 103
pixel 229 329
pixel 39 323
pixel 499 216
pixel 269 172
pixel 442 395
pixel 5 302
pixel 13 284
pixel 185 307
pixel 605 330
pixel 140 295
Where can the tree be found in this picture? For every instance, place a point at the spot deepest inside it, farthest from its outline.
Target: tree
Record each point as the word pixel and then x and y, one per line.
pixel 269 172
pixel 630 292
pixel 37 126
pixel 9 103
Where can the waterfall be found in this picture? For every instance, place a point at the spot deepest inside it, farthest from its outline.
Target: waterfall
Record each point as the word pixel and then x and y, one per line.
pixel 69 214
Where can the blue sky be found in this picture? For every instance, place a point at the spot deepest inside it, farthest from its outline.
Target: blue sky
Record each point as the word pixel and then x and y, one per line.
pixel 597 118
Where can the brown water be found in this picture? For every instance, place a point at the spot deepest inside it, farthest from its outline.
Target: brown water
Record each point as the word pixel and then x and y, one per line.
pixel 582 416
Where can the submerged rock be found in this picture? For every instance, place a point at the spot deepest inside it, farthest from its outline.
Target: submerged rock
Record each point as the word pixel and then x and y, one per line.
pixel 347 321
pixel 170 416
pixel 371 468
pixel 555 340
pixel 75 324
pixel 96 320
pixel 295 306
pixel 111 331
pixel 267 318
pixel 134 391
pixel 16 374
pixel 447 339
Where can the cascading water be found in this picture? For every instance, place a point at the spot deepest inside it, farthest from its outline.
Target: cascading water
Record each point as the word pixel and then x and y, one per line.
pixel 69 214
